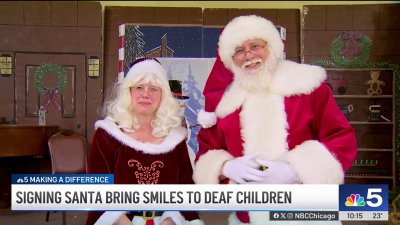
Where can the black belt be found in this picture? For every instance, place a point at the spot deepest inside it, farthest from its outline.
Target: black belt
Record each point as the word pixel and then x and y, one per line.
pixel 146 214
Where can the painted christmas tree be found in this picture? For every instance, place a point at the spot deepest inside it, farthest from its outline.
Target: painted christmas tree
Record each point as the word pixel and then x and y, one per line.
pixel 134 45
pixel 192 108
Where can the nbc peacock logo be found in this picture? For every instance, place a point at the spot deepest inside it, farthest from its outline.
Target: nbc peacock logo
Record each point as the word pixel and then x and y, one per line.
pixel 355 200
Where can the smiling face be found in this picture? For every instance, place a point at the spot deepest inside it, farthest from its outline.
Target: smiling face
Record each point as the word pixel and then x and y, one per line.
pixel 251 55
pixel 146 98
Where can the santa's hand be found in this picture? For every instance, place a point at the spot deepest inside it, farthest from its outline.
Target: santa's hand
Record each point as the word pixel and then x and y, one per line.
pixel 277 173
pixel 242 169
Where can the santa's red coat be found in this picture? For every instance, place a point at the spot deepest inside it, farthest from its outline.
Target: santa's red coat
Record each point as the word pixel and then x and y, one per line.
pixel 296 120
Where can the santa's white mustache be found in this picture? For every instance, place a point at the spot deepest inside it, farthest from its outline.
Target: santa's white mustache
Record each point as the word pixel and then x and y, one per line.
pixel 258 60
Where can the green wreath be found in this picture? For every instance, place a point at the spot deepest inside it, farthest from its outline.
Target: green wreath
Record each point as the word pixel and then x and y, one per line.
pixel 46 68
pixel 340 61
pixel 337 46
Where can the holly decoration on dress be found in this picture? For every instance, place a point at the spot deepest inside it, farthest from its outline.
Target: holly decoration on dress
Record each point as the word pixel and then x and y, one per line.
pixel 50 94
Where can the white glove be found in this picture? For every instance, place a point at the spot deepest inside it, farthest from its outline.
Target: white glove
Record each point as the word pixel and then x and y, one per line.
pixel 277 173
pixel 243 169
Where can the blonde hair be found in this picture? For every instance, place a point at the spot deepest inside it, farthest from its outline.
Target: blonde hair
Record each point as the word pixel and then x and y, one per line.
pixel 119 105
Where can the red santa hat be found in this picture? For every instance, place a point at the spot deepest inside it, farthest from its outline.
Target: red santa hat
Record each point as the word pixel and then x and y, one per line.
pixel 237 31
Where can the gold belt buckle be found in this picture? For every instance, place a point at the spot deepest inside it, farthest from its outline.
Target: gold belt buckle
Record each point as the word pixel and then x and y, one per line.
pixel 262 168
pixel 153 214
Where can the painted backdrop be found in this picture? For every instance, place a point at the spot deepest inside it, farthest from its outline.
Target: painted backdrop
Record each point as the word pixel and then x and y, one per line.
pixel 186 52
pixel 193 73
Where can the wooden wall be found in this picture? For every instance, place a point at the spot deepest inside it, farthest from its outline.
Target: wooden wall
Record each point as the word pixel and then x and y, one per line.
pixel 51 27
pixel 323 23
pixel 58 30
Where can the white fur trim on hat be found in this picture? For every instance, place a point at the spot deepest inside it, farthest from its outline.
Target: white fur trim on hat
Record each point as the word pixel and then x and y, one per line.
pixel 206 119
pixel 244 28
pixel 147 66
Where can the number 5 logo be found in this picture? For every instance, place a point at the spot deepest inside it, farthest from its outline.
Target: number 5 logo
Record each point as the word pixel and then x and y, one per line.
pixel 373 194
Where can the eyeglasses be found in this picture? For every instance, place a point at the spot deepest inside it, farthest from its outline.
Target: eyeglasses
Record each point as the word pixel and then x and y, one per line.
pixel 149 89
pixel 254 48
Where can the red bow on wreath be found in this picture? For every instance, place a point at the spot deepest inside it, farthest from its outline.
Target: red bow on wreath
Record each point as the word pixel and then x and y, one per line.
pixel 51 95
pixel 352 48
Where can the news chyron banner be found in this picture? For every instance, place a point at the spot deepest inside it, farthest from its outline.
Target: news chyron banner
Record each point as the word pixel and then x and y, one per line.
pixel 97 192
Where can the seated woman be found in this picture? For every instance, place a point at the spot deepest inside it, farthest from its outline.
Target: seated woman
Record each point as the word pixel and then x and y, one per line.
pixel 142 133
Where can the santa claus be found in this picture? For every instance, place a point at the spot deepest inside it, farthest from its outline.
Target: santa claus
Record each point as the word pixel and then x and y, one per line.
pixel 268 120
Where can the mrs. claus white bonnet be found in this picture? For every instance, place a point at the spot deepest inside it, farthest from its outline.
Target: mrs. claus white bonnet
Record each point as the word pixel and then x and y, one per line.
pixel 146 65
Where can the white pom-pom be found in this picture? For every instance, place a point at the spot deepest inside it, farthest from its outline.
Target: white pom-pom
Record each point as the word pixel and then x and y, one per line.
pixel 206 119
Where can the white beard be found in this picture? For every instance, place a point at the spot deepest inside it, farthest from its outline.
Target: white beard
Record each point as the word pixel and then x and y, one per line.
pixel 258 79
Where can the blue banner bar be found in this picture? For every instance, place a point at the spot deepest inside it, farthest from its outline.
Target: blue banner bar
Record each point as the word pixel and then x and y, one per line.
pixel 62 179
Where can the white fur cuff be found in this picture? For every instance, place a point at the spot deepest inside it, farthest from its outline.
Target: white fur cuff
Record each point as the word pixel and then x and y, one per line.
pixel 109 217
pixel 314 164
pixel 206 119
pixel 209 166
